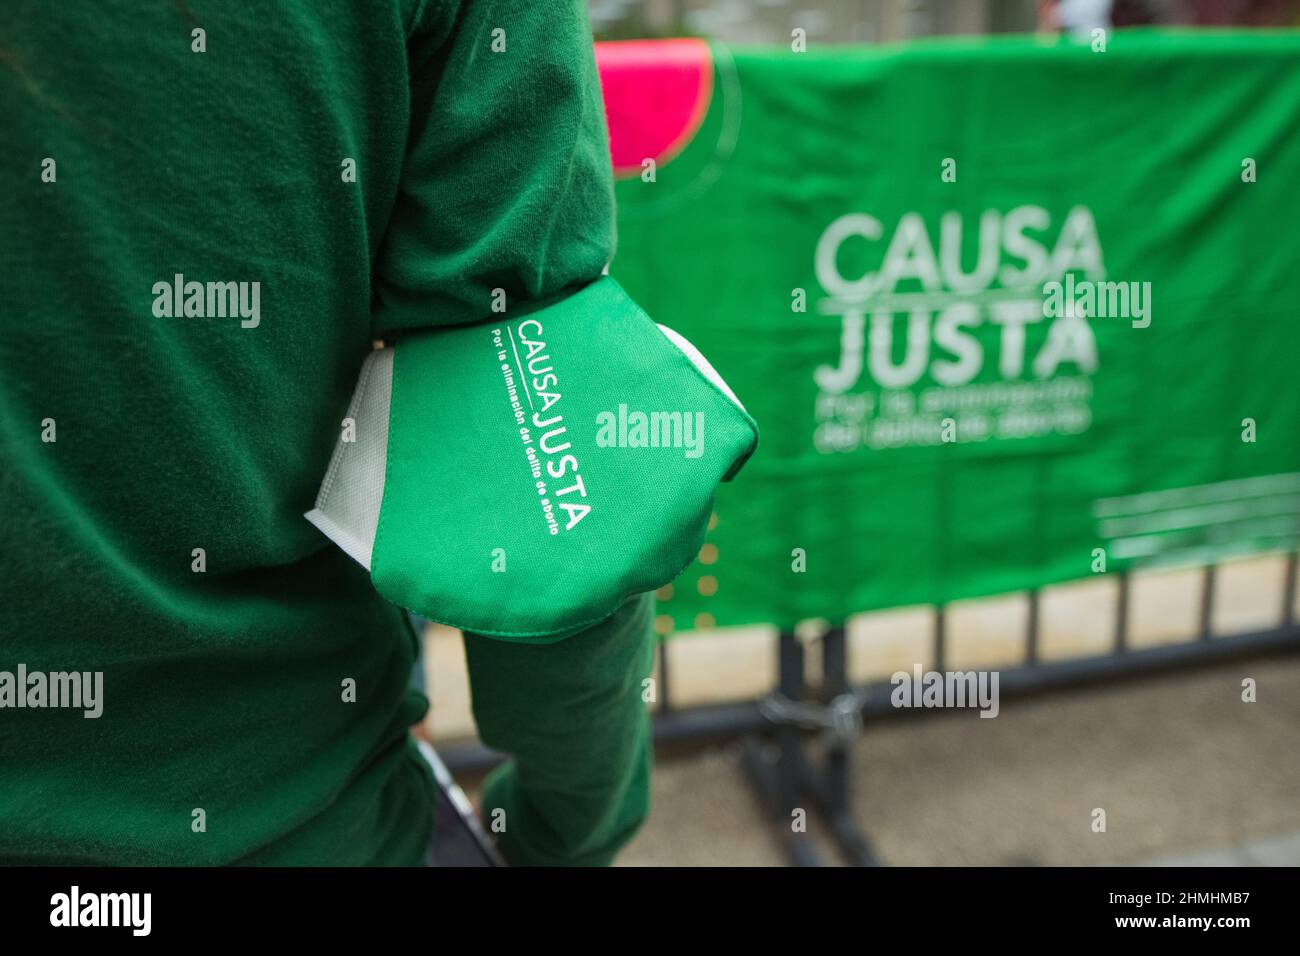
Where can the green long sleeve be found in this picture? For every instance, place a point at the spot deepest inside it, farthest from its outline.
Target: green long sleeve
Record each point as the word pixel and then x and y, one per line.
pixel 507 182
pixel 512 155
pixel 574 718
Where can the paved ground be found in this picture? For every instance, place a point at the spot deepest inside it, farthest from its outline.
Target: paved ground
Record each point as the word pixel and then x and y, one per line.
pixel 1183 768
pixel 1271 851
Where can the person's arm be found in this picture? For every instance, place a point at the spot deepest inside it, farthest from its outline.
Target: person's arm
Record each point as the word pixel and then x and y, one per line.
pixel 574 718
pixel 507 185
pixel 507 181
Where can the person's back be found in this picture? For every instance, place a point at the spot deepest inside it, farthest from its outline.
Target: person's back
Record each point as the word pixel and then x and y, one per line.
pixel 210 213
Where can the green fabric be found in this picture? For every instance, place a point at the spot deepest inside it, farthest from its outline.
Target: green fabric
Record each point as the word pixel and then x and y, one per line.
pixel 578 786
pixel 576 468
pixel 224 689
pixel 855 502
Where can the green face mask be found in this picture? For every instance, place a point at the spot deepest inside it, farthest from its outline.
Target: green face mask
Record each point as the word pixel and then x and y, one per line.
pixel 522 478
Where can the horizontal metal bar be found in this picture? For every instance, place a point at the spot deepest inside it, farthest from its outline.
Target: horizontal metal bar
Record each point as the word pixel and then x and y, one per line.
pixel 1131 664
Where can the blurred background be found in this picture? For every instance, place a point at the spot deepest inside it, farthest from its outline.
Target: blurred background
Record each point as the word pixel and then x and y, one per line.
pixel 886 21
pixel 1163 691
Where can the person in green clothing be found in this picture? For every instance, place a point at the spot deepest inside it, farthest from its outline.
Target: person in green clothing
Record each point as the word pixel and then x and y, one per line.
pixel 358 170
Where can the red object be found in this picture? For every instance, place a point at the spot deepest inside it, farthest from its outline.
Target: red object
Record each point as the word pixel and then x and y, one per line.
pixel 657 93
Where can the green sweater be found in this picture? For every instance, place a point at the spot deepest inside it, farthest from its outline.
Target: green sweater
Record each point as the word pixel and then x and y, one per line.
pixel 372 167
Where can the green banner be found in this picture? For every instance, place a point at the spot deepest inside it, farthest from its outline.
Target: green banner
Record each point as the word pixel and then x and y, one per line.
pixel 1008 312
